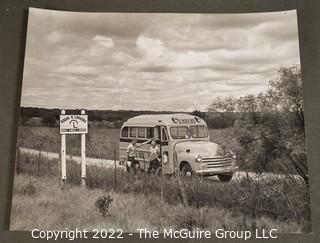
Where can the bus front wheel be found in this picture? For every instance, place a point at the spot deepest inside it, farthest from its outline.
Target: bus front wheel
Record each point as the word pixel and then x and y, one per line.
pixel 187 171
pixel 225 177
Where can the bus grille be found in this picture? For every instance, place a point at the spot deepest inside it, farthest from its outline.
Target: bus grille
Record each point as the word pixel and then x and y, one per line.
pixel 218 162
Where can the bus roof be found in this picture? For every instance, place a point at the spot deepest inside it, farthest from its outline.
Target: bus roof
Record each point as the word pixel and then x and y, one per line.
pixel 165 119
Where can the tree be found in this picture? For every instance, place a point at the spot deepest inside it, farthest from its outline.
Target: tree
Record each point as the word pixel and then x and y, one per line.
pixel 49 119
pixel 25 115
pixel 222 112
pixel 24 118
pixel 287 90
pixel 200 114
pixel 220 104
pixel 271 126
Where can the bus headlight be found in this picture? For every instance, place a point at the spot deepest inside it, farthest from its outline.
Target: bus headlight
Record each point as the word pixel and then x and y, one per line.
pixel 198 158
pixel 234 156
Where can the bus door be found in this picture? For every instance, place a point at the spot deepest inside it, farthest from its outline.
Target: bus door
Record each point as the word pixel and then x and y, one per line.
pixel 164 148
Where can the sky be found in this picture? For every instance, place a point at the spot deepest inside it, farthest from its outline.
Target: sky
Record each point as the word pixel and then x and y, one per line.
pixel 146 61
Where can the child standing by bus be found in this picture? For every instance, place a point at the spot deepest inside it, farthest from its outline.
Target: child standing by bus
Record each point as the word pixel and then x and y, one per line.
pixel 154 157
pixel 132 154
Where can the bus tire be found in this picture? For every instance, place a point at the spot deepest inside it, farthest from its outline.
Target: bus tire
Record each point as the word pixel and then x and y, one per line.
pixel 136 167
pixel 225 177
pixel 187 171
pixel 158 171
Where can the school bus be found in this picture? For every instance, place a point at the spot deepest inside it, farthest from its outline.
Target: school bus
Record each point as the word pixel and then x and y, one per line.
pixel 184 143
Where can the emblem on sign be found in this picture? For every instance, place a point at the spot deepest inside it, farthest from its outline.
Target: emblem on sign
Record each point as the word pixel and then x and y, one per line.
pixel 74 123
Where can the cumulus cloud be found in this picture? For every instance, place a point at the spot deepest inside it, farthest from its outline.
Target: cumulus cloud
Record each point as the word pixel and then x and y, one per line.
pixel 103 41
pixel 54 37
pixel 178 62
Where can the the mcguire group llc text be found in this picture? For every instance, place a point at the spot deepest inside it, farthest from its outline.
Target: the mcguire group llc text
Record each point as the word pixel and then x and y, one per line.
pixel 144 233
pixel 206 234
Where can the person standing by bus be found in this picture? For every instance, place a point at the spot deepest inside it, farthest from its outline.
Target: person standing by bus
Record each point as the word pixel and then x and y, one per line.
pixel 154 157
pixel 132 154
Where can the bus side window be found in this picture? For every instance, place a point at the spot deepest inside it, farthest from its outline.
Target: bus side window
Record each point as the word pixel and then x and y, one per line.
pixel 150 132
pixel 164 136
pixel 141 132
pixel 125 132
pixel 157 132
pixel 133 132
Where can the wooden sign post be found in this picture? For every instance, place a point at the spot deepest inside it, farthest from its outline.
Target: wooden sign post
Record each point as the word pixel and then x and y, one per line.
pixel 83 155
pixel 63 154
pixel 73 124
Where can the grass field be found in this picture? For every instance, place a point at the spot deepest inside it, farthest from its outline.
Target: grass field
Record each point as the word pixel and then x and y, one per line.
pixel 101 142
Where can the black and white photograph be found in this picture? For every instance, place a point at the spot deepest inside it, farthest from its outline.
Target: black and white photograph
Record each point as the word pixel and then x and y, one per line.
pixel 167 122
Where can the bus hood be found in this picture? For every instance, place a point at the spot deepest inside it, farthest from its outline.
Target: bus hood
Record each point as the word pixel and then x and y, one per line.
pixel 202 148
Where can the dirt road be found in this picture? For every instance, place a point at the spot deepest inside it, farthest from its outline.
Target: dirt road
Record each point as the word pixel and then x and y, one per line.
pixel 90 161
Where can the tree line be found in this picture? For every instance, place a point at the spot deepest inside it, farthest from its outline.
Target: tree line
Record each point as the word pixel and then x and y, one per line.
pixel 50 117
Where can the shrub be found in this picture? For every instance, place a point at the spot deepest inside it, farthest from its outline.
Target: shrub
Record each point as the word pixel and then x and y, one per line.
pixel 103 204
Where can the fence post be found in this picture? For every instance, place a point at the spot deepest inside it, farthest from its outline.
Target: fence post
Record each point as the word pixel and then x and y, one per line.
pixel 115 169
pixel 162 180
pixel 144 174
pixel 17 168
pixel 39 160
pixel 181 186
pixel 59 169
pixel 49 166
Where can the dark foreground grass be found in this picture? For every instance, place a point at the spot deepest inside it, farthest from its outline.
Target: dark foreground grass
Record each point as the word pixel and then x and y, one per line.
pixel 39 202
pixel 281 200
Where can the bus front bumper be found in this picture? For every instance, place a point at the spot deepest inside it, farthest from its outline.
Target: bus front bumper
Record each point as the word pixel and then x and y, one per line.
pixel 216 171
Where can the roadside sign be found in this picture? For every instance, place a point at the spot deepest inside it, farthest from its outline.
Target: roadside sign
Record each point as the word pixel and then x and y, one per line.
pixel 73 124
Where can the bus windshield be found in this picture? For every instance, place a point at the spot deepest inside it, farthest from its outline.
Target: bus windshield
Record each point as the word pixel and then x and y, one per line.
pixel 179 132
pixel 184 132
pixel 199 131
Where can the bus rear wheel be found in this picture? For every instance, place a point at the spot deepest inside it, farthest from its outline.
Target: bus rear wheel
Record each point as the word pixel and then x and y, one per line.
pixel 225 177
pixel 135 167
pixel 158 171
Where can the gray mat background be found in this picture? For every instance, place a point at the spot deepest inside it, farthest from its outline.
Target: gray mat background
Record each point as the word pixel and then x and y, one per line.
pixel 13 28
